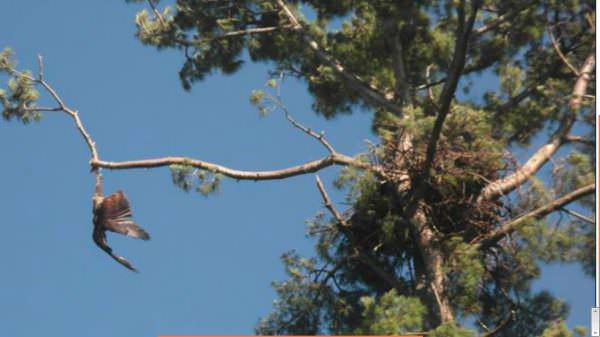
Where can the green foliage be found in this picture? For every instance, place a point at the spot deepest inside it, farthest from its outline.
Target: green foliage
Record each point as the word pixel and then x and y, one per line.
pixel 451 330
pixel 560 329
pixel 391 314
pixel 189 178
pixel 465 271
pixel 574 171
pixel 299 298
pixel 533 195
pixel 20 100
pixel 155 31
pixel 6 61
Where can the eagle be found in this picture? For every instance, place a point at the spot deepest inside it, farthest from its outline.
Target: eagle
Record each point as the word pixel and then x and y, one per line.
pixel 113 213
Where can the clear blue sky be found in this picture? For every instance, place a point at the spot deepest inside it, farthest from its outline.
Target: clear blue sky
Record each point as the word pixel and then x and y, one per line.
pixel 208 267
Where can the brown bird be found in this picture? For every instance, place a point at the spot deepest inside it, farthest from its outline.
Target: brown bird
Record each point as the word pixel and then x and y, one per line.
pixel 113 213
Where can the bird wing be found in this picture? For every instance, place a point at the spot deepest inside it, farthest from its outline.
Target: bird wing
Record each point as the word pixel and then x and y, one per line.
pixel 116 217
pixel 99 237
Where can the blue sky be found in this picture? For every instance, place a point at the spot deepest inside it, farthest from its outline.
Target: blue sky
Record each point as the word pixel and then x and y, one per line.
pixel 208 267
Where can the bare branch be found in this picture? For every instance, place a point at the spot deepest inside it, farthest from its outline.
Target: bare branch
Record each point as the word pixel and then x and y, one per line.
pixel 560 53
pixel 157 13
pixel 308 167
pixel 248 31
pixel 96 163
pixel 538 213
pixel 515 100
pixel 536 161
pixel 430 88
pixel 579 139
pixel 506 17
pixel 582 81
pixel 320 137
pixel 577 215
pixel 62 107
pixel 251 31
pixel 42 109
pixel 40 67
pixel 430 84
pixel 329 205
pixel 501 325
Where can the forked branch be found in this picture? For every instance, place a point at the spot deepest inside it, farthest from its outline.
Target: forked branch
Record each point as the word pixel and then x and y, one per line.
pixel 538 213
pixel 334 158
pixel 544 153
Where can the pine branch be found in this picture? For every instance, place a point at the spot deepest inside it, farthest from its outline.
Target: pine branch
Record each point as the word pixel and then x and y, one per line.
pixel 367 91
pixel 560 53
pixel 506 17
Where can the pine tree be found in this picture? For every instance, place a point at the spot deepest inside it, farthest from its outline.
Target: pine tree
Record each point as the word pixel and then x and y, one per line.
pixel 445 225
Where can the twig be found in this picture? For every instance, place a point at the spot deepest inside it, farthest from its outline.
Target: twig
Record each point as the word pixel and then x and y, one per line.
pixel 320 137
pixel 41 67
pixel 511 316
pixel 590 20
pixel 577 215
pixel 157 13
pixel 430 87
pixel 43 109
pixel 63 107
pixel 500 20
pixel 560 53
pixel 251 31
pixel 579 139
pixel 327 201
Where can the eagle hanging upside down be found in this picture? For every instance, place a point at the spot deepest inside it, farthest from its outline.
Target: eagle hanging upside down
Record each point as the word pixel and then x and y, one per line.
pixel 114 214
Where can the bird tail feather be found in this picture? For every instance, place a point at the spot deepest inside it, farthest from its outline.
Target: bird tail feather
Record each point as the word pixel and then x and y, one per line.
pixel 124 262
pixel 137 232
